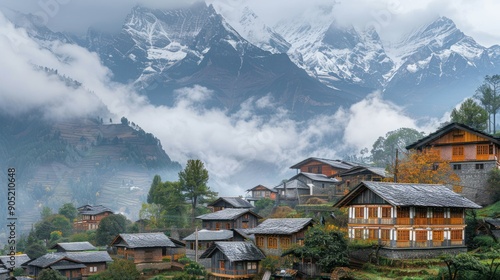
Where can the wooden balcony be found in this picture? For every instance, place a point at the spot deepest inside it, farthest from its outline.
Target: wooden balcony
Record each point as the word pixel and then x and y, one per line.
pixel 403 221
pixel 437 221
pixel 456 221
pixel 420 221
pixel 408 221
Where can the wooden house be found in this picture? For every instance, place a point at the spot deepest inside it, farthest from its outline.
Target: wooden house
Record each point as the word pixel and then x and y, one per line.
pixel 305 185
pixel 352 177
pixel 143 247
pixel 73 265
pixel 69 268
pixel 73 246
pixel 327 167
pixel 229 202
pixel 206 238
pixel 408 220
pixel 11 262
pixel 234 260
pixel 89 217
pixel 273 236
pixel 260 192
pixel 471 154
pixel 230 218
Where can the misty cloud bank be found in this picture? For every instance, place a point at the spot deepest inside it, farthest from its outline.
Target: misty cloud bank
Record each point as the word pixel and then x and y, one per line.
pixel 228 143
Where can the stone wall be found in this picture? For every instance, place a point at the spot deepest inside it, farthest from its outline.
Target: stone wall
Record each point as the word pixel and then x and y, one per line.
pixel 474 181
pixel 419 253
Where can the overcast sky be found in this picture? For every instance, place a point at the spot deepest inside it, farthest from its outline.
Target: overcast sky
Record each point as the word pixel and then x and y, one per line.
pixel 478 19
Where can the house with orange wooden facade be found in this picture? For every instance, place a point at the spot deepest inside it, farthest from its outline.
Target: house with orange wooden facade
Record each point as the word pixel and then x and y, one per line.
pixel 90 216
pixel 407 220
pixel 260 192
pixel 328 167
pixel 471 153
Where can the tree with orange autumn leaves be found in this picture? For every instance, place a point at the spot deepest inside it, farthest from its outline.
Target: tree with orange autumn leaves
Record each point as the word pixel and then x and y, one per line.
pixel 425 167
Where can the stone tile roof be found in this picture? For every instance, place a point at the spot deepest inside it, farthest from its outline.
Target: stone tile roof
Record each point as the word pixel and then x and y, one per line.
pixel 235 202
pixel 48 259
pixel 408 194
pixel 74 246
pixel 210 235
pixel 93 210
pixel 340 164
pixel 493 222
pixel 143 240
pixel 235 251
pixel 89 257
pixel 227 214
pixel 19 259
pixel 281 226
pixel 316 177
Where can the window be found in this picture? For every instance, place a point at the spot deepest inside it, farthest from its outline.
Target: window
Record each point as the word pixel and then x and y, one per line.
pixel 457 167
pixel 386 212
pixel 372 234
pixel 228 225
pixel 404 213
pixel 438 235
pixel 272 242
pixel 482 149
pixel 285 242
pixel 385 234
pixel 358 233
pixel 456 213
pixel 222 265
pixel 456 234
pixel 479 165
pixel 251 265
pixel 458 151
pixel 217 226
pixel 403 235
pixel 359 212
pixel 260 241
pixel 435 166
pixel 372 212
pixel 244 224
pixel 420 235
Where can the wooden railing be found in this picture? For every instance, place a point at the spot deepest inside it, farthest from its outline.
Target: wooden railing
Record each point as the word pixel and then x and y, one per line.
pixel 456 242
pixel 420 221
pixel 386 221
pixel 403 221
pixel 437 221
pixel 234 271
pixel 456 221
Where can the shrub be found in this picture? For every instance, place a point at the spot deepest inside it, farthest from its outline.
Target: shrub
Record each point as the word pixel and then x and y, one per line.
pixel 484 241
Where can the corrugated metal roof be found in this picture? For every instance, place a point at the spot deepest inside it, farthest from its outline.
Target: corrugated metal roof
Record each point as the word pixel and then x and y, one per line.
pixel 235 251
pixel 210 235
pixel 143 240
pixel 227 214
pixel 236 202
pixel 74 246
pixel 408 194
pixel 93 210
pixel 281 226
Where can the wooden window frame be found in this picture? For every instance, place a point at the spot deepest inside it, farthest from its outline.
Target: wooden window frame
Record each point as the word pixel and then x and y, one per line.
pixel 403 235
pixel 386 212
pixel 272 242
pixel 372 212
pixel 456 234
pixel 359 212
pixel 259 240
pixel 420 235
pixel 385 234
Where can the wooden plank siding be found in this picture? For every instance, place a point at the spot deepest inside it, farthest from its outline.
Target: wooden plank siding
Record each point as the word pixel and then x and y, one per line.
pixel 319 168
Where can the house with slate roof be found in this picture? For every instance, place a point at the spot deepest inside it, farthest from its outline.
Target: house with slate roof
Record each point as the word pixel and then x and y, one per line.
pixel 229 202
pixel 70 268
pixel 74 265
pixel 89 217
pixel 305 185
pixel 327 167
pixel 471 154
pixel 273 236
pixel 230 218
pixel 408 220
pixel 11 262
pixel 73 246
pixel 352 177
pixel 144 247
pixel 260 192
pixel 234 260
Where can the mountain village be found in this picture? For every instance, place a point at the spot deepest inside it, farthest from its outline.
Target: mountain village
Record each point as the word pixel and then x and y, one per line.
pixel 364 213
pixel 86 199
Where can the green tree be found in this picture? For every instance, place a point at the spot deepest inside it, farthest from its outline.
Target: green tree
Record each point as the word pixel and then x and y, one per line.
pixel 43 229
pixel 493 184
pixel 69 211
pixel 264 206
pixel 50 274
pixel 472 114
pixel 328 248
pixel 35 250
pixel 154 185
pixel 489 96
pixel 120 269
pixel 461 263
pixel 384 149
pixel 61 223
pixel 109 227
pixel 193 180
pixel 46 212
